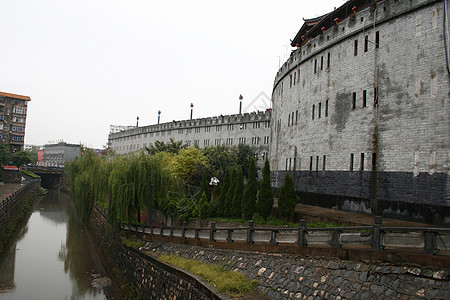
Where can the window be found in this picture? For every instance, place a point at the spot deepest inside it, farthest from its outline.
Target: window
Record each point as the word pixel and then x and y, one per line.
pixel 364 98
pixel 355 49
pixel 354 101
pixel 374 161
pixel 329 60
pixel 326 108
pixel 320 109
pixel 289 119
pixel 207 129
pixel 317 163
pixel 377 39
pixel 295 77
pixel 218 127
pixel 366 43
pixel 310 163
pixel 315 66
pixel 298 76
pixel 321 63
pixel 323 162
pixel 296 117
pixel 290 80
pixel 19 110
pixel 313 111
pixel 375 96
pixel 362 162
pixel 287 164
pixel 352 157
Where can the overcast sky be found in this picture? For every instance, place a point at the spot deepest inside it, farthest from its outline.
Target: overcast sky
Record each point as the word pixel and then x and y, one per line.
pixel 87 64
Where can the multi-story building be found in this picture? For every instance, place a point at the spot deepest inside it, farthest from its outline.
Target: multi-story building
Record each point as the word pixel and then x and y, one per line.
pixel 252 129
pixel 13 115
pixel 57 155
pixel 361 110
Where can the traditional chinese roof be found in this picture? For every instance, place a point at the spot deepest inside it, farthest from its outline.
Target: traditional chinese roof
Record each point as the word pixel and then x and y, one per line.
pixel 9 95
pixel 312 27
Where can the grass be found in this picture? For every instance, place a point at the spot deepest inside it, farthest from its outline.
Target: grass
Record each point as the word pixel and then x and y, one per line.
pixel 226 281
pixel 131 242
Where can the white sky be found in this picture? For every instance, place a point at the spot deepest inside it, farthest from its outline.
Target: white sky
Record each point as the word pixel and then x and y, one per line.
pixel 87 64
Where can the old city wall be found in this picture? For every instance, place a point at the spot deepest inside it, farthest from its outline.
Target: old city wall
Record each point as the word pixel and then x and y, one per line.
pixel 138 275
pixel 365 125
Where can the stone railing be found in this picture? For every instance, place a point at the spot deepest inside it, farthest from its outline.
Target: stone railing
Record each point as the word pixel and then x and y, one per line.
pixel 376 237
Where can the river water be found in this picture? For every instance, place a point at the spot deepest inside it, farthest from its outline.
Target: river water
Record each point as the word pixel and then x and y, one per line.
pixel 53 258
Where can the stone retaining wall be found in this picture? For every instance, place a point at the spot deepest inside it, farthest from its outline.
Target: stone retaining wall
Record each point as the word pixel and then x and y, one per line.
pixel 293 277
pixel 145 276
pixel 13 208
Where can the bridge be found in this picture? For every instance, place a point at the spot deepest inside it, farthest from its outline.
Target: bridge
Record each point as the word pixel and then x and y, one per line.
pixel 50 176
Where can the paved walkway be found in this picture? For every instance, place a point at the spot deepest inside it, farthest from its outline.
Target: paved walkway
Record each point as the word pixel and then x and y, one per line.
pixel 351 218
pixel 8 189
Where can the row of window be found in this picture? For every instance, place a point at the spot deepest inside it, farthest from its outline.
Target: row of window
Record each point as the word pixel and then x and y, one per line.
pixel 366 43
pixel 206 143
pixel 318 163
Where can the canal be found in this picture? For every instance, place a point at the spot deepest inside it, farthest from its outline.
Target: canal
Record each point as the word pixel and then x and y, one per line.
pixel 52 257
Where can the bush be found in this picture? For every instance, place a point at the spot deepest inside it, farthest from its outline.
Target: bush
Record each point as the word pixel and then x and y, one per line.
pixel 287 198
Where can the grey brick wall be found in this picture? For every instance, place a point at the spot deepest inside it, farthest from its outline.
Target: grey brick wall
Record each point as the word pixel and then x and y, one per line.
pixel 408 130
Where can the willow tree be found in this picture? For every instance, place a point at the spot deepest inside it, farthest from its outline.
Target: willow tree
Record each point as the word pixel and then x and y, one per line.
pixel 132 182
pixel 87 181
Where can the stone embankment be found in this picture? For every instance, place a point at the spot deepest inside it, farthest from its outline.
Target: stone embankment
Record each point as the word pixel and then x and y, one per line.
pixel 140 276
pixel 293 277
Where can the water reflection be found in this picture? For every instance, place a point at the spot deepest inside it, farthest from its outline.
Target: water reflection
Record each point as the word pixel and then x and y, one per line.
pixel 53 257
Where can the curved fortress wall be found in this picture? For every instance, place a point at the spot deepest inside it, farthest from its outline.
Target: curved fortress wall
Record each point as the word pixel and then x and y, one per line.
pixel 361 110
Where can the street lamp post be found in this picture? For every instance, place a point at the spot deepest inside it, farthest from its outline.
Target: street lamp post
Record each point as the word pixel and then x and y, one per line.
pixel 159 115
pixel 213 183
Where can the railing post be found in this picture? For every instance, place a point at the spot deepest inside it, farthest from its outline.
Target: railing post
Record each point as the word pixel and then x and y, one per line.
pixel 230 235
pixel 212 230
pixel 429 239
pixel 183 230
pixel 376 233
pixel 250 232
pixel 302 231
pixel 273 237
pixel 197 237
pixel 171 231
pixel 335 239
pixel 143 228
pixel 161 230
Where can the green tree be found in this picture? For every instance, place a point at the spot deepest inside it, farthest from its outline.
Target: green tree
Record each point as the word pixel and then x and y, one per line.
pixel 230 193
pixel 287 198
pixel 264 203
pixel 224 192
pixel 4 155
pixel 21 158
pixel 186 163
pixel 205 208
pixel 172 147
pixel 219 159
pixel 236 210
pixel 244 154
pixel 204 187
pixel 249 197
